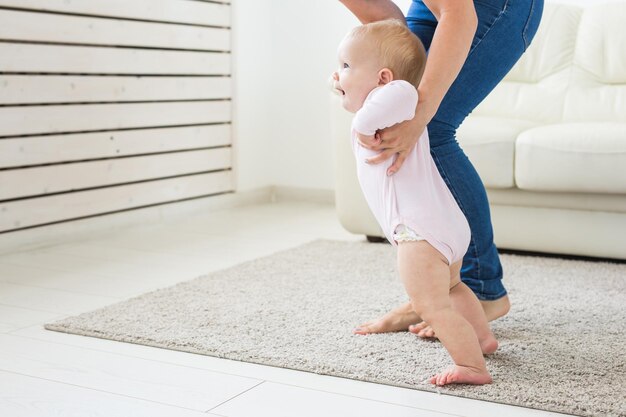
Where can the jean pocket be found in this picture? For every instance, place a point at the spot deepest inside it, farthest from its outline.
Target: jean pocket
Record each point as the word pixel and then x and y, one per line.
pixel 532 22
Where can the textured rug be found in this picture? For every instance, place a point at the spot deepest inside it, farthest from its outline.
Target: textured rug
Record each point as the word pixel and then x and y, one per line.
pixel 561 346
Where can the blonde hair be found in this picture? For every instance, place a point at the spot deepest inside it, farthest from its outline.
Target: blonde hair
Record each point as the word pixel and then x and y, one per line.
pixel 399 49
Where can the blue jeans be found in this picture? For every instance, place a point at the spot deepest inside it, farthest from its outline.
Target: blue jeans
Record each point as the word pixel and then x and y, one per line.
pixel 505 30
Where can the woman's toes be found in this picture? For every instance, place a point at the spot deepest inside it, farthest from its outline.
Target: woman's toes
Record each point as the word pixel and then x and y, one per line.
pixel 422 330
pixel 417 328
pixel 363 328
pixel 427 333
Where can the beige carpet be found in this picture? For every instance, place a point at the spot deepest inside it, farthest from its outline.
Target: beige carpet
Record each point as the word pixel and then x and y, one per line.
pixel 562 345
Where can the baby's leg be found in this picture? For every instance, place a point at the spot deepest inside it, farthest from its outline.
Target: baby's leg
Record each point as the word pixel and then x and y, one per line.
pixel 466 303
pixel 426 276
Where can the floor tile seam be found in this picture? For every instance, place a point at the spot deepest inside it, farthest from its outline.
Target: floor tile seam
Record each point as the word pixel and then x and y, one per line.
pixel 51 268
pixel 113 299
pixel 97 390
pixel 60 313
pixel 131 356
pixel 370 399
pixel 275 381
pixel 234 397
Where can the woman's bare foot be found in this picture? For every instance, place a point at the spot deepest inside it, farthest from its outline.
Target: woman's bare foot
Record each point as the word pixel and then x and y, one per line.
pixel 403 317
pixel 422 330
pixel 493 310
pixel 461 375
pixel 396 320
pixel 488 345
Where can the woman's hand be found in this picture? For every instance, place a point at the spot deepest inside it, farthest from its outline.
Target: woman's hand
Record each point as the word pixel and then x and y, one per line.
pixel 397 139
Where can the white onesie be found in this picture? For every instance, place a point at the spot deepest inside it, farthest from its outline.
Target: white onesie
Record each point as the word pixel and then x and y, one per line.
pixel 416 196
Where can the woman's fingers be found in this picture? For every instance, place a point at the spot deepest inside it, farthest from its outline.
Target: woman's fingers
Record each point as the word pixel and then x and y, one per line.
pixel 383 156
pixel 373 143
pixel 396 165
pixel 386 154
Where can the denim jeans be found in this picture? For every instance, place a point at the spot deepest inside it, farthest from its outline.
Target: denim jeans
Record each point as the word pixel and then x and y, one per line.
pixel 505 30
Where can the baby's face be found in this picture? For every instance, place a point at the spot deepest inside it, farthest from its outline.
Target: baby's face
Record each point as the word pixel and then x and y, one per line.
pixel 358 73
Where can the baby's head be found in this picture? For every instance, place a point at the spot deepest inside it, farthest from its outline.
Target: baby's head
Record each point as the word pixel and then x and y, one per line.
pixel 374 54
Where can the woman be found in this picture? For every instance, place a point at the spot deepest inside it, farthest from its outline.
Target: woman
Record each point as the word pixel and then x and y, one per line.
pixel 471 45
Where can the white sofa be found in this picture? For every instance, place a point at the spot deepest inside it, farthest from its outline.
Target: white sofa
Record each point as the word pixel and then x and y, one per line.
pixel 549 142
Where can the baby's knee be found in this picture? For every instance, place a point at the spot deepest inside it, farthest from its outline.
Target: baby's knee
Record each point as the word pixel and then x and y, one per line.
pixel 428 311
pixel 423 308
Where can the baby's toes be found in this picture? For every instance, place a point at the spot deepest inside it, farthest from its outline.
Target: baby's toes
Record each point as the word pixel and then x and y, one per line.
pixel 441 378
pixel 444 378
pixel 450 378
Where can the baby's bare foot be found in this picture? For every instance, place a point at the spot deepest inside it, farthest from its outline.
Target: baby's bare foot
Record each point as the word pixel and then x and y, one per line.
pixel 396 320
pixel 488 344
pixel 462 375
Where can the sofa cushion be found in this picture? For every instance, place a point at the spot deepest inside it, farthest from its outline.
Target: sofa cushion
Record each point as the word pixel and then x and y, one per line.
pixel 489 143
pixel 598 79
pixel 572 157
pixel 534 89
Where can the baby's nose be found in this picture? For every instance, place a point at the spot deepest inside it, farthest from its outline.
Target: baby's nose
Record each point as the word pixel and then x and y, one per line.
pixel 335 76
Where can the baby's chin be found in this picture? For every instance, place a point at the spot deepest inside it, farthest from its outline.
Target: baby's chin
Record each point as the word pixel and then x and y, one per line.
pixel 350 105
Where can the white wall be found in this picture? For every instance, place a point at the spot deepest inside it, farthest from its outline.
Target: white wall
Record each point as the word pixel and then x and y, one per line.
pixel 251 58
pixel 87 113
pixel 285 51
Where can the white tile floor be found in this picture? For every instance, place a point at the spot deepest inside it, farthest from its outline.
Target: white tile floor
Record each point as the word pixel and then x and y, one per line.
pixel 45 373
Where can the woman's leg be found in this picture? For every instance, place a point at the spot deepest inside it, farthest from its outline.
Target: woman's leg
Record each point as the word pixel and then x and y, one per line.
pixel 504 31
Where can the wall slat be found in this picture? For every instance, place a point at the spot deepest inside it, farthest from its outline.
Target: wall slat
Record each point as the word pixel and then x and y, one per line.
pixel 47 27
pixel 76 118
pixel 33 89
pixel 19 183
pixel 38 211
pixel 110 105
pixel 17 57
pixel 178 11
pixel 37 150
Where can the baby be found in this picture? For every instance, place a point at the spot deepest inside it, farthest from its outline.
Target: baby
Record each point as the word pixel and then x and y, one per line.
pixel 380 66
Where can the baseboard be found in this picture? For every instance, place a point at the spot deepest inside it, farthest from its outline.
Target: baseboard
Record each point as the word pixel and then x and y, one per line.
pixel 309 195
pixel 82 229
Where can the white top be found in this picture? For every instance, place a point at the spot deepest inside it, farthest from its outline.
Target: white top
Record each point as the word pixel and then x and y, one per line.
pixel 416 195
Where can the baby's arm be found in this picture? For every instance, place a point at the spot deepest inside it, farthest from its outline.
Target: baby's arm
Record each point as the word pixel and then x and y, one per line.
pixel 391 104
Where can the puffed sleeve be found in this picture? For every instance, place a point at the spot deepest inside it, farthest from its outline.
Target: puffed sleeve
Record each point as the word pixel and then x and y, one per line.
pixel 386 106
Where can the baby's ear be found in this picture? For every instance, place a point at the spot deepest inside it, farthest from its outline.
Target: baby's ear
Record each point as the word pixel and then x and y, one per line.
pixel 384 76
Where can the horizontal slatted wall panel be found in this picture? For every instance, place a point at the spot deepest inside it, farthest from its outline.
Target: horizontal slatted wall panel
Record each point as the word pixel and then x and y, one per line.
pixel 111 105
